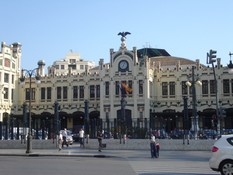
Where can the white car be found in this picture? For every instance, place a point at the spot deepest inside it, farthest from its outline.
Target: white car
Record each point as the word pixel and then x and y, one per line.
pixel 69 138
pixel 222 155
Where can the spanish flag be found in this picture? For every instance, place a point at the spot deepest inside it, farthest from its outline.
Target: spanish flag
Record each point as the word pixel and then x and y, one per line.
pixel 125 89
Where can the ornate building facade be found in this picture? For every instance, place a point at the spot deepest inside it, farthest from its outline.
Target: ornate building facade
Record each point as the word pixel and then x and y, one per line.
pixel 91 96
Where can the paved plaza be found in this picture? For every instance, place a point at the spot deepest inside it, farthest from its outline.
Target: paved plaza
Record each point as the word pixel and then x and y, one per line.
pixel 136 162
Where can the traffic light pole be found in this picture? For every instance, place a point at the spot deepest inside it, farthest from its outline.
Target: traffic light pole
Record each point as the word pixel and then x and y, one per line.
pixel 211 58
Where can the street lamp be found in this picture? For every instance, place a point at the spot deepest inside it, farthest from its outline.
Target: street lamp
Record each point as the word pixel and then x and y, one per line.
pixel 30 74
pixel 185 120
pixel 194 98
pixel 86 120
pixel 123 124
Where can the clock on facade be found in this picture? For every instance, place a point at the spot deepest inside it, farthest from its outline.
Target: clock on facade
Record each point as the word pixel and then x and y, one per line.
pixel 123 65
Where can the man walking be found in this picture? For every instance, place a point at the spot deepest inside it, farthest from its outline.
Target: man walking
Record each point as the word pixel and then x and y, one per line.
pixel 81 137
pixel 64 136
pixel 100 138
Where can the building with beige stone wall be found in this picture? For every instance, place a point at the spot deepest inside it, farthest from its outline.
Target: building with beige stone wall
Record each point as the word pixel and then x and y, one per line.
pixel 10 64
pixel 90 96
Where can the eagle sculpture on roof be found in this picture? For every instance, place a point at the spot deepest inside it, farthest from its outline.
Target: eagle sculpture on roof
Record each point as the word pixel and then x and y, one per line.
pixel 123 34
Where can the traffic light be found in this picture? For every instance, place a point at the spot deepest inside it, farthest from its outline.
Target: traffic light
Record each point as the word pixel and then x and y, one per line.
pixel 212 56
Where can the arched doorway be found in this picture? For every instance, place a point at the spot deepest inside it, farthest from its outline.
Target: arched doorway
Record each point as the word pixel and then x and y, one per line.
pixel 78 121
pixel 96 123
pixel 6 120
pixel 46 125
pixel 125 122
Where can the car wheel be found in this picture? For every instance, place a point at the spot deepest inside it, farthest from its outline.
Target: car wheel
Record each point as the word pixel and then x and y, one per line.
pixel 227 168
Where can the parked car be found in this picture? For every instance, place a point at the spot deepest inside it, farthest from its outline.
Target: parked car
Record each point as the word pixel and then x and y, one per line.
pixel 69 138
pixel 76 137
pixel 222 155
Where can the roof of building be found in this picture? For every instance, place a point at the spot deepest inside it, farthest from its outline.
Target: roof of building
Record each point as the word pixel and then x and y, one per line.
pixel 169 60
pixel 151 52
pixel 162 56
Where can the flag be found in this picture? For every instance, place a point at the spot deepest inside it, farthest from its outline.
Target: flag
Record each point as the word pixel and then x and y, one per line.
pixel 125 89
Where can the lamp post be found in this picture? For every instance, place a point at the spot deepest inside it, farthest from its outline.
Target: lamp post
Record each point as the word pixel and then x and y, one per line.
pixel 185 120
pixel 30 74
pixel 56 119
pixel 123 124
pixel 194 101
pixel 86 120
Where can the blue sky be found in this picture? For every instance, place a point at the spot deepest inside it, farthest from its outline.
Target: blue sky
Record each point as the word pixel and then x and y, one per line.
pixel 49 29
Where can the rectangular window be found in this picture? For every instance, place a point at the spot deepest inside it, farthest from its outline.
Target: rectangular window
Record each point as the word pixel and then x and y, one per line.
pixel 117 87
pixel 59 93
pixel 12 79
pixel 49 93
pixel 12 94
pixel 130 85
pixel 28 94
pixel 205 87
pixel 92 91
pixel 81 91
pixel 212 87
pixel 42 95
pixel 184 89
pixel 6 77
pixel 97 91
pixel 75 92
pixel 231 86
pixel 107 88
pixel 140 87
pixel 62 67
pixel 172 89
pixel 6 93
pixel 7 62
pixel 72 61
pixel 226 86
pixel 65 93
pixel 81 67
pixel 164 88
pixel 13 65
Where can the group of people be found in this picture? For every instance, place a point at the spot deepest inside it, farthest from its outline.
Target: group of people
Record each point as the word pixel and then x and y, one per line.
pixel 63 141
pixel 154 143
pixel 154 147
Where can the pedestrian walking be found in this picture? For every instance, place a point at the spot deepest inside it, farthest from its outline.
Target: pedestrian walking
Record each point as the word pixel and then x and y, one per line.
pixel 100 138
pixel 60 140
pixel 64 136
pixel 81 137
pixel 157 145
pixel 153 147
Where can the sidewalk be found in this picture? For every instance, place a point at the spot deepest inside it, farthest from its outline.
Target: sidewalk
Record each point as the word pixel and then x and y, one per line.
pixel 71 151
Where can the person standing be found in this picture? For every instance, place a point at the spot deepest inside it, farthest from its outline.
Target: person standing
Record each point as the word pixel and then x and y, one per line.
pixel 60 140
pixel 100 138
pixel 153 150
pixel 81 137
